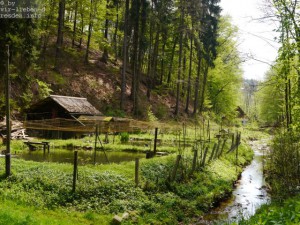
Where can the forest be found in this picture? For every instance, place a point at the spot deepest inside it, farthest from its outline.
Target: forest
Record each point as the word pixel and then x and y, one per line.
pixel 176 66
pixel 164 47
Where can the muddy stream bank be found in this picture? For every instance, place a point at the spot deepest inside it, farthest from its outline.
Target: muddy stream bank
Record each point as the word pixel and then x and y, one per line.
pixel 250 192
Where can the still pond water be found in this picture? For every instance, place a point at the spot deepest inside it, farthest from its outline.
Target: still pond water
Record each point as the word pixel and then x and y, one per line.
pixel 84 156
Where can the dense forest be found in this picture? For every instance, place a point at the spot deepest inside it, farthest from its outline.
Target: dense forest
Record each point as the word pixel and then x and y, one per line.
pixel 179 49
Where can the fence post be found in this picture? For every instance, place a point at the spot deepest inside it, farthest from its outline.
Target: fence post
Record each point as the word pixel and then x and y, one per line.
pixel 217 149
pixel 155 140
pixel 75 170
pixel 137 165
pixel 7 164
pixel 175 167
pixel 213 152
pixel 222 148
pixel 95 151
pixel 204 156
pixel 194 160
pixel 232 141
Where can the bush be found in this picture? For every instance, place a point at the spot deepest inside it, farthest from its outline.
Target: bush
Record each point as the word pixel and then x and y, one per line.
pixel 124 137
pixel 283 164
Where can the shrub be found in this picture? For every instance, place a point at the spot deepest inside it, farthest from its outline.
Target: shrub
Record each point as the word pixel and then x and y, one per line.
pixel 124 137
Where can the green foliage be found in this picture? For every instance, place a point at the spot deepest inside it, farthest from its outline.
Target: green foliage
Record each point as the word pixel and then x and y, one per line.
pixel 110 111
pixel 124 137
pixel 283 164
pixel 225 78
pixel 150 115
pixel 18 214
pixel 271 99
pixel 277 213
pixel 44 89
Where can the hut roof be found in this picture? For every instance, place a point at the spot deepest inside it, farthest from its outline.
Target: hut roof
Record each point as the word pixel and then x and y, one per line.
pixel 73 105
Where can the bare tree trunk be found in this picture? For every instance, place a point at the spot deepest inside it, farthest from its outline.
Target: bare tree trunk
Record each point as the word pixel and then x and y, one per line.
pixel 134 89
pixel 115 34
pixel 81 29
pixel 172 59
pixel 47 33
pixel 59 40
pixel 74 24
pixel 197 84
pixel 181 30
pixel 150 55
pixel 190 75
pixel 104 57
pixel 162 62
pixel 124 66
pixel 86 58
pixel 205 74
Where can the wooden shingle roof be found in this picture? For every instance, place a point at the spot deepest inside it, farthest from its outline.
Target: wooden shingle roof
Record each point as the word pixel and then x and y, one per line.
pixel 75 105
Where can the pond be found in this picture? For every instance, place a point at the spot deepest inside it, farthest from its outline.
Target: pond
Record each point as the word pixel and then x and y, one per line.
pixel 84 156
pixel 249 194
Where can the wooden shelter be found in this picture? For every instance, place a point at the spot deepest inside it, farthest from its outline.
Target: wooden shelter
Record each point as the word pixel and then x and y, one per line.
pixel 57 116
pixel 57 106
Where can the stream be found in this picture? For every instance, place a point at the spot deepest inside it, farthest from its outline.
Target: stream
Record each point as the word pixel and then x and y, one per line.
pixel 250 192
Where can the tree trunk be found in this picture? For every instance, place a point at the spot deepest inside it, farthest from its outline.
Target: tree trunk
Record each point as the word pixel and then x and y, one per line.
pixel 134 88
pixel 181 30
pixel 81 30
pixel 162 62
pixel 190 75
pixel 124 66
pixel 172 59
pixel 74 24
pixel 197 84
pixel 116 33
pixel 150 55
pixel 59 40
pixel 203 88
pixel 104 57
pixel 86 58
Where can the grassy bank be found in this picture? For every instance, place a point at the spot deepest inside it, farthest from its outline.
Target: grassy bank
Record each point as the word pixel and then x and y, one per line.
pixel 110 189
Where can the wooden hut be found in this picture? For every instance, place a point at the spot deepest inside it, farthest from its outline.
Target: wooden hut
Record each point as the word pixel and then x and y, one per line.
pixel 57 116
pixel 57 106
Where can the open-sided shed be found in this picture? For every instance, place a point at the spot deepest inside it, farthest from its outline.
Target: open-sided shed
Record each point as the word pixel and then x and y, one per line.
pixel 57 116
pixel 57 106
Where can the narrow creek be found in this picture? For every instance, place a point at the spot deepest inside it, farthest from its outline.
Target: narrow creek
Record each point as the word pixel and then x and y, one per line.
pixel 250 192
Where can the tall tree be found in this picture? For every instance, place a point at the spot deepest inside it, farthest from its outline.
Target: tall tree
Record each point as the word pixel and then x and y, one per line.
pixel 91 22
pixel 181 31
pixel 104 57
pixel 125 52
pixel 60 28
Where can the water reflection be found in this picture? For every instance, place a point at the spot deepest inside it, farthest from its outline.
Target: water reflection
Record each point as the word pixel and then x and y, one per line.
pixel 84 157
